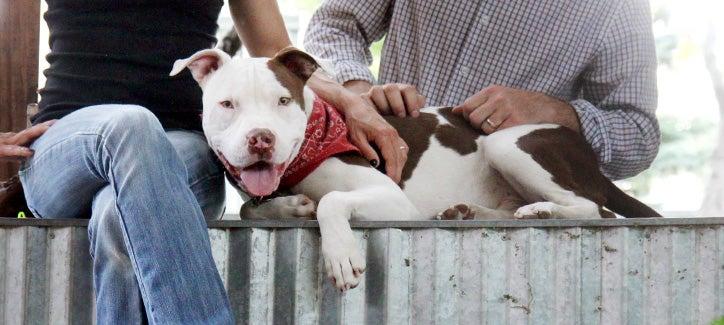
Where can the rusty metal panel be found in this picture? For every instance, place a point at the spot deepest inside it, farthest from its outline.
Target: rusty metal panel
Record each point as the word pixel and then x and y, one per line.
pixel 668 271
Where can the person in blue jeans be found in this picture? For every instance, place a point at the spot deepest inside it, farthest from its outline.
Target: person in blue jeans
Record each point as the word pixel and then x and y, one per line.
pixel 126 148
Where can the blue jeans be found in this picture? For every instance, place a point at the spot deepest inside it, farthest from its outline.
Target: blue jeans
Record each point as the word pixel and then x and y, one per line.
pixel 148 192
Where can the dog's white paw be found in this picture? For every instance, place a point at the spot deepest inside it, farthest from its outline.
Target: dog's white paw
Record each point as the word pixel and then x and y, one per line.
pixel 343 262
pixel 539 210
pixel 457 212
pixel 297 206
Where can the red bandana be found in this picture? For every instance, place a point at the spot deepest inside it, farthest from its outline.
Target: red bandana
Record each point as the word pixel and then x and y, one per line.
pixel 325 136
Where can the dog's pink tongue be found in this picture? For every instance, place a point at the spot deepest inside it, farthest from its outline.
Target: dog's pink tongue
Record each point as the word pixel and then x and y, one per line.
pixel 260 181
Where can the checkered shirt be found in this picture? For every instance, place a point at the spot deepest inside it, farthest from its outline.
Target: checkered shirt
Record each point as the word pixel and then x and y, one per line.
pixel 598 55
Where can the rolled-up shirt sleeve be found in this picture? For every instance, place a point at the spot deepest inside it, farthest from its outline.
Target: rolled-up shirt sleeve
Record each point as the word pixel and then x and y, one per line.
pixel 618 96
pixel 341 32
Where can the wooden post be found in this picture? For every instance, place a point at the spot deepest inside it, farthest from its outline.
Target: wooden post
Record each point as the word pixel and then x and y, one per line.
pixel 19 29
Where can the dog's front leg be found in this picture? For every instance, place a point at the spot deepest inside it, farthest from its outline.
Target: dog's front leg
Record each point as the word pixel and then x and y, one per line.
pixel 342 259
pixel 345 192
pixel 340 249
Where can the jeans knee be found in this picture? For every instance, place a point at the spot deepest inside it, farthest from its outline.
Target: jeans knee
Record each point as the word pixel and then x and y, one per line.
pixel 130 115
pixel 134 134
pixel 131 121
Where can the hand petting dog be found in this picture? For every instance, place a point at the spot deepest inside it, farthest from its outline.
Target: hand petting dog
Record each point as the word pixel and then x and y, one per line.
pixel 496 108
pixel 389 99
pixel 395 99
pixel 14 146
pixel 491 109
pixel 366 126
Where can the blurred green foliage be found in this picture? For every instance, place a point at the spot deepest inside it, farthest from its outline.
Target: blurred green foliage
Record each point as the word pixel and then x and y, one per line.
pixel 376 49
pixel 686 145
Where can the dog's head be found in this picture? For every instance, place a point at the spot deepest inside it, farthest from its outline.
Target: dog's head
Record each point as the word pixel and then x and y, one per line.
pixel 255 111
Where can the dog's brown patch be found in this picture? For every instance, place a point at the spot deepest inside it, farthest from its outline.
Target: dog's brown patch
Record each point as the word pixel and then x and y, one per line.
pixel 289 81
pixel 459 135
pixel 571 161
pixel 416 132
pixel 298 62
pixel 292 69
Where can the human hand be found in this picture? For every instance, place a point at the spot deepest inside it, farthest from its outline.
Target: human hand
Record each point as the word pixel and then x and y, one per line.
pixel 395 99
pixel 366 126
pixel 496 108
pixel 14 146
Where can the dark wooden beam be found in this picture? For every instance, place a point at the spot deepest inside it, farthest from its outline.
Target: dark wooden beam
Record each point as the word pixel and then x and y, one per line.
pixel 19 29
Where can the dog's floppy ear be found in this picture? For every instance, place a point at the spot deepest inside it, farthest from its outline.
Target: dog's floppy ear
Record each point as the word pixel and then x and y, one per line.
pixel 298 62
pixel 202 64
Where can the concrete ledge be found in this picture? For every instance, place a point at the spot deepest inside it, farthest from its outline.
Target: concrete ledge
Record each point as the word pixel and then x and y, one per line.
pixel 294 223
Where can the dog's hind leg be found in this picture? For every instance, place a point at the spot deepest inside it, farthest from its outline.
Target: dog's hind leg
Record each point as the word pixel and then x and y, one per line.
pixel 584 209
pixel 473 212
pixel 504 210
pixel 568 185
pixel 282 207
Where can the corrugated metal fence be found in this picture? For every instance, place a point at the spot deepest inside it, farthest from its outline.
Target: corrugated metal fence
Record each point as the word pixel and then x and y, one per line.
pixel 667 271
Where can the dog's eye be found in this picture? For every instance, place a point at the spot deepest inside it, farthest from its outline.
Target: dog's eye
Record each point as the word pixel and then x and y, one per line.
pixel 284 101
pixel 227 104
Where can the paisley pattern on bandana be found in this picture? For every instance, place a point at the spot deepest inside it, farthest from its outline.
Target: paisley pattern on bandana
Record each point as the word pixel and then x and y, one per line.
pixel 325 136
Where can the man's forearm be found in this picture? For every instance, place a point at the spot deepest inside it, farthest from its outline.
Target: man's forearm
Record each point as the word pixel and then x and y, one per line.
pixel 260 26
pixel 565 115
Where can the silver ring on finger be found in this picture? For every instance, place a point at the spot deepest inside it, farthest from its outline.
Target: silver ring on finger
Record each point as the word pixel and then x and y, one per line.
pixel 491 123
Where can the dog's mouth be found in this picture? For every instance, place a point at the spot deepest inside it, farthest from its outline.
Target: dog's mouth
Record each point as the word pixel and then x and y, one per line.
pixel 260 178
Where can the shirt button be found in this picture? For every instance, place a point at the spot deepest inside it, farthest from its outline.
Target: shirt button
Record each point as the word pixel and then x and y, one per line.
pixel 464 70
pixel 485 19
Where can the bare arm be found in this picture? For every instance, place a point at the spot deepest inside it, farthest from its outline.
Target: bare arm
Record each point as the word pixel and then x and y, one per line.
pixel 358 86
pixel 260 26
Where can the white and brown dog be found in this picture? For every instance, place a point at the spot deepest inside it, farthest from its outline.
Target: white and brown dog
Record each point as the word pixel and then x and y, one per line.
pixel 256 113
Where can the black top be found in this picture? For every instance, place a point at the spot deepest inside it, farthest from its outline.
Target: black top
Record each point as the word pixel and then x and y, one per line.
pixel 121 52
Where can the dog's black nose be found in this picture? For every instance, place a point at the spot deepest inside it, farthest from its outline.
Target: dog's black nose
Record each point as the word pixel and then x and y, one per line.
pixel 261 141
